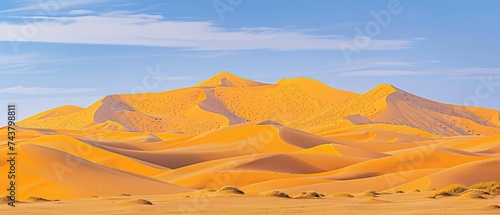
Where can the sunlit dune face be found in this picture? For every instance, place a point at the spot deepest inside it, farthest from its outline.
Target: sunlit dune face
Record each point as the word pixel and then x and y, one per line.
pixel 233 138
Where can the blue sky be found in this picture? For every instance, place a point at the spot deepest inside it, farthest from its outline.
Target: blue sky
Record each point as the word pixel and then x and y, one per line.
pixel 74 52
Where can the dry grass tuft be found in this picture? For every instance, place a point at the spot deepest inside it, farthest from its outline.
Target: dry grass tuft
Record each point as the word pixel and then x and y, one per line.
pixel 123 194
pixel 309 195
pixel 451 190
pixel 230 189
pixel 345 195
pixel 370 193
pixel 493 188
pixel 275 193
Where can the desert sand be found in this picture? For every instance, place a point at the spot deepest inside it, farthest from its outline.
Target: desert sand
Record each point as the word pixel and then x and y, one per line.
pixel 151 153
pixel 227 203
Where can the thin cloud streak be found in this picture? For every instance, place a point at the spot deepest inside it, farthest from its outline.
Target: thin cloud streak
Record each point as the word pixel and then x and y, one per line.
pixel 44 90
pixel 126 28
pixel 451 73
pixel 173 78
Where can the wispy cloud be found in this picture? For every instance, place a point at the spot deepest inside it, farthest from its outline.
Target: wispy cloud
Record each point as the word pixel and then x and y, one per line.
pixel 473 77
pixel 450 73
pixel 49 7
pixel 21 65
pixel 471 71
pixel 173 78
pixel 420 38
pixel 44 90
pixel 27 71
pixel 126 28
pixel 372 64
pixel 380 73
pixel 80 12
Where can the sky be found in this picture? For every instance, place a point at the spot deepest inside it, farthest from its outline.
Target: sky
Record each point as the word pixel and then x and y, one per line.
pixel 60 52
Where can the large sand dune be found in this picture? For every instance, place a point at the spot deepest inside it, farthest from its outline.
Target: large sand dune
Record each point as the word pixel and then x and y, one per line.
pixel 295 135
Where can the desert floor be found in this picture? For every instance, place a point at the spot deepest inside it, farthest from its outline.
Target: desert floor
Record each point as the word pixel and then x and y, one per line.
pixel 403 203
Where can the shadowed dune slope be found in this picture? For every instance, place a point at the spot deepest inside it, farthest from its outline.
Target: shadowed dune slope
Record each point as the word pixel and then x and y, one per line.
pixel 295 136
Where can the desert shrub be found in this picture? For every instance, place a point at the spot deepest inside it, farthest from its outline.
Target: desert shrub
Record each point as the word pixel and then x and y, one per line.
pixel 474 194
pixel 275 193
pixel 493 188
pixel 123 194
pixel 144 202
pixel 36 199
pixel 346 195
pixel 370 193
pixel 309 194
pixel 451 190
pixel 230 189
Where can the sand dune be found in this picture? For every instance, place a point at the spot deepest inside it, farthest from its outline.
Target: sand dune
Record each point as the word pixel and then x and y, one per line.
pixel 296 138
pixel 212 104
pixel 387 104
pixel 64 176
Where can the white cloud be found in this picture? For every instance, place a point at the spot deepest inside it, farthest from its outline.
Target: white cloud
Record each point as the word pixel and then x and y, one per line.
pixel 471 71
pixel 420 38
pixel 125 28
pixel 44 90
pixel 392 63
pixel 173 78
pixel 380 73
pixel 451 73
pixel 21 65
pixel 371 64
pixel 80 12
pixel 51 7
pixel 473 77
pixel 31 70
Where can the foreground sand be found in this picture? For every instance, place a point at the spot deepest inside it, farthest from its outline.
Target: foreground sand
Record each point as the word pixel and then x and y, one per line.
pixel 403 203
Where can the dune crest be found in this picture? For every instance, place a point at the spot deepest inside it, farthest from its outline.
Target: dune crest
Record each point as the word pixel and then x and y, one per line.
pixel 294 135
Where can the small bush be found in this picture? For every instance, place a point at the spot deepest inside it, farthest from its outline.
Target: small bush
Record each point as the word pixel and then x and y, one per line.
pixel 371 193
pixel 493 188
pixel 230 189
pixel 309 195
pixel 346 195
pixel 123 194
pixel 144 202
pixel 275 193
pixel 451 190
pixel 474 194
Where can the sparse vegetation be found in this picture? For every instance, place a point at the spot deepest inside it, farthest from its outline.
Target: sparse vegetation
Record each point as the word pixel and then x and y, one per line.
pixel 371 193
pixel 343 194
pixel 275 193
pixel 309 194
pixel 122 194
pixel 474 194
pixel 230 189
pixel 451 190
pixel 478 190
pixel 493 188
pixel 36 199
pixel 144 202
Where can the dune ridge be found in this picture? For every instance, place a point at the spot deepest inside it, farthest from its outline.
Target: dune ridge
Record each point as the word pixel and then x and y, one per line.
pixel 257 138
